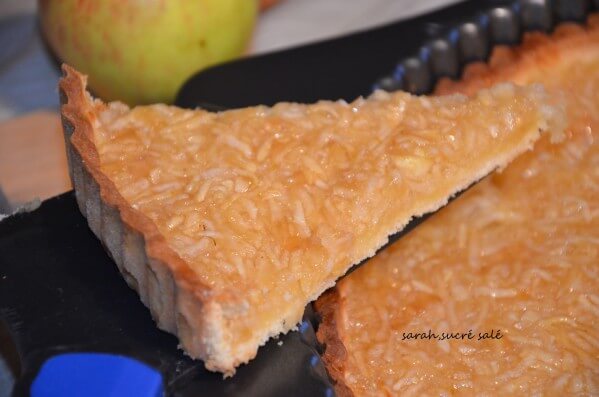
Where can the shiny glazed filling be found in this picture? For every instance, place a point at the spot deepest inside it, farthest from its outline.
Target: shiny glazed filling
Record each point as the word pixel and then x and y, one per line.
pixel 270 203
pixel 519 254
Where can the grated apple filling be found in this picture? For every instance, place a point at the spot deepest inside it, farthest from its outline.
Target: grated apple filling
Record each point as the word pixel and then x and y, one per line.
pixel 276 203
pixel 519 254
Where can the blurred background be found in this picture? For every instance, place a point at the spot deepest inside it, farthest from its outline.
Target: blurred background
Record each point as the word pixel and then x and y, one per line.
pixel 32 159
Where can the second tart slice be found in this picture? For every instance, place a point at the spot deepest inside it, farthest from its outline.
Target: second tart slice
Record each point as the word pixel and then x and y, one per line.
pixel 228 224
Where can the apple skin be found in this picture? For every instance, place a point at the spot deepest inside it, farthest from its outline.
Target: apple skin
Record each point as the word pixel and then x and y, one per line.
pixel 141 51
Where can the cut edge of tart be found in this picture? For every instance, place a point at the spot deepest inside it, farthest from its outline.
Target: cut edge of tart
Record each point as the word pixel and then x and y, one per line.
pixel 219 324
pixel 514 64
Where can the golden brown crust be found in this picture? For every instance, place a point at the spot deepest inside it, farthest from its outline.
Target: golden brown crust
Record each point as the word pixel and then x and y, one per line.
pixel 77 111
pixel 179 302
pixel 513 64
pixel 328 335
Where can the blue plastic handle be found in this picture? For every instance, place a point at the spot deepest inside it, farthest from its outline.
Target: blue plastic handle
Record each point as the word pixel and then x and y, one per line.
pixel 96 375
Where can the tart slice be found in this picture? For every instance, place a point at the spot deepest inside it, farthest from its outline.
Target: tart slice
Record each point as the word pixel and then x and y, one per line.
pixel 496 294
pixel 228 224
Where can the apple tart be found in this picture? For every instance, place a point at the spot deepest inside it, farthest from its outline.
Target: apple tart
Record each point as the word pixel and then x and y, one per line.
pixel 496 294
pixel 228 224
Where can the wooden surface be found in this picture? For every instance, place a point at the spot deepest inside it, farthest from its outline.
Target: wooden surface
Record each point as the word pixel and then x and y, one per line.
pixel 33 162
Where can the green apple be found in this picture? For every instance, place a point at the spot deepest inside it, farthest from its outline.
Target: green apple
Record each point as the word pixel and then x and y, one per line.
pixel 141 51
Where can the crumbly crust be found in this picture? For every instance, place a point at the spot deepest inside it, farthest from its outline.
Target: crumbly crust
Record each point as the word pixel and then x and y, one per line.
pixel 505 64
pixel 178 301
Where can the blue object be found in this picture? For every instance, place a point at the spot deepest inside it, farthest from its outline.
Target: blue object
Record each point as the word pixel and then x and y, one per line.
pixel 96 375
